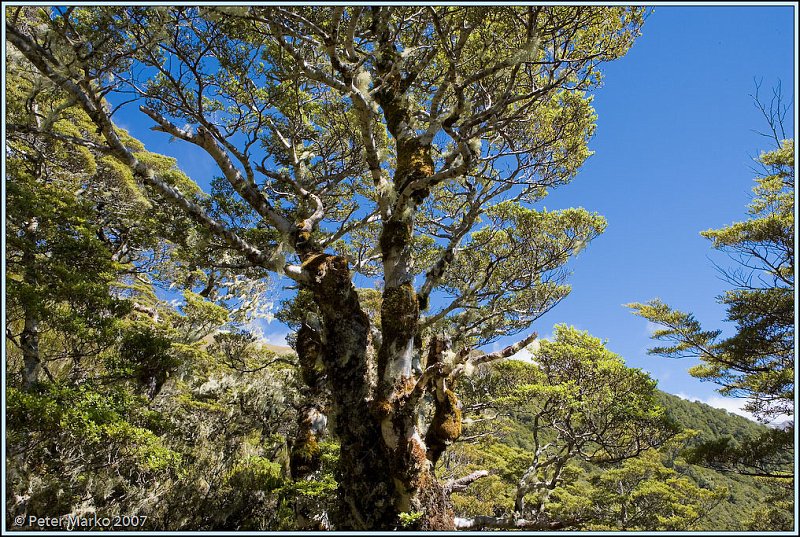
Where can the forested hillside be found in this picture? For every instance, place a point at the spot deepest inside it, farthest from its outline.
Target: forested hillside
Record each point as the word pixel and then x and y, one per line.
pixel 377 181
pixel 746 494
pixel 594 494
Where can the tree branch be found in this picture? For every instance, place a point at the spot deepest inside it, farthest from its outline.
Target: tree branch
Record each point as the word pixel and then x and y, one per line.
pixel 41 59
pixel 27 129
pixel 460 484
pixel 498 355
pixel 481 522
pixel 245 188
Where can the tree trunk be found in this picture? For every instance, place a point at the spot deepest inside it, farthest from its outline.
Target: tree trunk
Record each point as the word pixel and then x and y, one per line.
pixel 377 480
pixel 29 339
pixel 305 457
pixel 416 490
pixel 364 485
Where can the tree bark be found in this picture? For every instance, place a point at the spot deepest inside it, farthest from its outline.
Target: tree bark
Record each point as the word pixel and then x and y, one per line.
pixel 305 458
pixel 416 490
pixel 29 339
pixel 378 479
pixel 364 484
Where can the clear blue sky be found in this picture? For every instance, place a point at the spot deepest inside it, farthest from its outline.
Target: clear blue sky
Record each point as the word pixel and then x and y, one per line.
pixel 673 156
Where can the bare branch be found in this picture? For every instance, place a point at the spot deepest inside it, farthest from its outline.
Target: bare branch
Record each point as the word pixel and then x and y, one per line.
pixel 511 350
pixel 245 188
pixel 461 484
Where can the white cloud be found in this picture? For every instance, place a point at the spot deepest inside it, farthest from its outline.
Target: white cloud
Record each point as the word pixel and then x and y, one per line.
pixel 277 338
pixel 717 401
pixel 652 327
pixel 523 355
pixel 526 354
pixel 255 327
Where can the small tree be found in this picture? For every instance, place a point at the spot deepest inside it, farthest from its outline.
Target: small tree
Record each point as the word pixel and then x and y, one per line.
pixel 582 404
pixel 641 494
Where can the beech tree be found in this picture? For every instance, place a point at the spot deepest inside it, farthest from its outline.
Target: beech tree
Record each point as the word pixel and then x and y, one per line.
pixel 403 144
pixel 757 362
pixel 113 401
pixel 581 404
pixel 642 494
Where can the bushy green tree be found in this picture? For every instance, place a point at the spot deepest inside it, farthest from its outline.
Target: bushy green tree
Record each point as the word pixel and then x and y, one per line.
pixel 580 403
pixel 757 362
pixel 115 402
pixel 642 494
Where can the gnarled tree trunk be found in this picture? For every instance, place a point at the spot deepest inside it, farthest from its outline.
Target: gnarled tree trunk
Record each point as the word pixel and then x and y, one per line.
pixel 364 485
pixel 384 468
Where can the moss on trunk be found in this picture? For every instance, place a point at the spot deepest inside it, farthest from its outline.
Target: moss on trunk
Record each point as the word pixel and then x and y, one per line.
pixel 445 427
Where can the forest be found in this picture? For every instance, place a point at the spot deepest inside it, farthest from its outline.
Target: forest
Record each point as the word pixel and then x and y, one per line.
pixel 378 185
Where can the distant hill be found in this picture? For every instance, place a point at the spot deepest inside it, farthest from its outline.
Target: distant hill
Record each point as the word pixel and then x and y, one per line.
pixel 278 349
pixel 745 493
pixel 710 421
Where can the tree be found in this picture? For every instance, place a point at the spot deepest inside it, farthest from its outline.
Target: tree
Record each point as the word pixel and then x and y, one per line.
pixel 355 143
pixel 58 273
pixel 91 346
pixel 84 245
pixel 581 404
pixel 757 361
pixel 640 495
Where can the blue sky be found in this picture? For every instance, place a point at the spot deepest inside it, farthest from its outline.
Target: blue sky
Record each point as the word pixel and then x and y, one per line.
pixel 673 155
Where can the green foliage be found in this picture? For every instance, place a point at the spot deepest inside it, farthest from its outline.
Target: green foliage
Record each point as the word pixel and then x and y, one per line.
pixel 714 427
pixel 776 511
pixel 108 431
pixel 409 519
pixel 213 450
pixel 494 494
pixel 128 409
pixel 200 318
pixel 256 473
pixel 611 410
pixel 576 404
pixel 128 403
pixel 757 361
pixel 518 258
pixel 764 454
pixel 640 494
pixel 587 497
pixel 144 355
